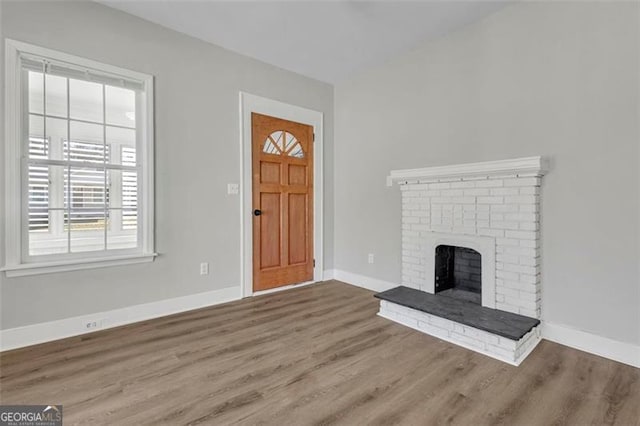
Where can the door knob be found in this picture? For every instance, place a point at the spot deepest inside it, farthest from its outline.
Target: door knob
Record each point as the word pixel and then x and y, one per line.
pixel 257 212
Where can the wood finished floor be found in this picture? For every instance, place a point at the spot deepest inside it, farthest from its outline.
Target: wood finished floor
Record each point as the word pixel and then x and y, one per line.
pixel 311 355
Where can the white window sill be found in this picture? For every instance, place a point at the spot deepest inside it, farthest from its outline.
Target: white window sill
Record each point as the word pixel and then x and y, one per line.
pixel 75 265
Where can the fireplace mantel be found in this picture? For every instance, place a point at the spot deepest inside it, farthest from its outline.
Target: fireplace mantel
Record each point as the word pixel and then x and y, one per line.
pixel 526 166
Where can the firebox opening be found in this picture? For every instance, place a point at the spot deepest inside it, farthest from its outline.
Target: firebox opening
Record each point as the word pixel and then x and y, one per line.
pixel 458 273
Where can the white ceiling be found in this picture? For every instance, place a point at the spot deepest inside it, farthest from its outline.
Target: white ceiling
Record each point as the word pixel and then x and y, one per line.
pixel 326 40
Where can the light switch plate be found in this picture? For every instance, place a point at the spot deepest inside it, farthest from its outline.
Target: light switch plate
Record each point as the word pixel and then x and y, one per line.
pixel 233 188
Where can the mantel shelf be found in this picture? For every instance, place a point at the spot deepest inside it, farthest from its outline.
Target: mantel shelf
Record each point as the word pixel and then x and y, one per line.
pixel 529 166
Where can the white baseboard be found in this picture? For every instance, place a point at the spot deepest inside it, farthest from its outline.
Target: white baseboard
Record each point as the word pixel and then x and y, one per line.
pixel 369 283
pixel 283 288
pixel 328 274
pixel 626 353
pixel 19 337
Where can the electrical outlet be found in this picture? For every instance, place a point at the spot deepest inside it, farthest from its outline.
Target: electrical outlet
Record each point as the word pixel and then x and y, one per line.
pixel 93 324
pixel 204 268
pixel 371 258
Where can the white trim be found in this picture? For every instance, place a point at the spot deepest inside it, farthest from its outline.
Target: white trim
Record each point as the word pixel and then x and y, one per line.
pixel 16 256
pixel 146 206
pixel 626 353
pixel 362 281
pixel 484 245
pixel 328 274
pixel 75 264
pixel 45 332
pixel 251 103
pixel 75 60
pixel 13 130
pixel 533 166
pixel 283 288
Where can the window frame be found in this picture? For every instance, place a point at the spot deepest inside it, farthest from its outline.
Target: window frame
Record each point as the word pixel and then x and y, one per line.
pixel 16 216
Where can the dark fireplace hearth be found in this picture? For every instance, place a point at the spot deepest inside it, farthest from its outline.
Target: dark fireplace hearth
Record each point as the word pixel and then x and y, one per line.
pixel 506 324
pixel 458 273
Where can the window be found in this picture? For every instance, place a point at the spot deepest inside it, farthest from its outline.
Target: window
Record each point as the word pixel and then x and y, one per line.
pixel 282 143
pixel 79 164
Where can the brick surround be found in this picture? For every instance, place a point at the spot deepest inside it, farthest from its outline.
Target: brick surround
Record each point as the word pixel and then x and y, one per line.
pixel 507 209
pixel 491 207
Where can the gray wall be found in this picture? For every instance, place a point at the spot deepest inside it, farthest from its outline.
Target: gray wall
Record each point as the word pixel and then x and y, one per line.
pixel 553 79
pixel 557 79
pixel 197 154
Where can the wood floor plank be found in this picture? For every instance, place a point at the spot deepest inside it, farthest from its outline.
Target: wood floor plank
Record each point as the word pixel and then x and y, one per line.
pixel 315 355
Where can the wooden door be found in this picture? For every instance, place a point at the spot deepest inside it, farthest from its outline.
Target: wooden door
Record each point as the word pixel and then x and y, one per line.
pixel 282 201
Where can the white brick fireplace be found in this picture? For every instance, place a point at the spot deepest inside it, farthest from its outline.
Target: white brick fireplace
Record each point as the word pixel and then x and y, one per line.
pixel 490 207
pixel 479 205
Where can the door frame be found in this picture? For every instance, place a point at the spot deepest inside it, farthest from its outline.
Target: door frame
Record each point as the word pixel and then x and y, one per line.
pixel 251 103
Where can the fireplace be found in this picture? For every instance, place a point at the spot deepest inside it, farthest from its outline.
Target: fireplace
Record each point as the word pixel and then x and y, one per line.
pixel 458 273
pixel 471 255
pixel 475 283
